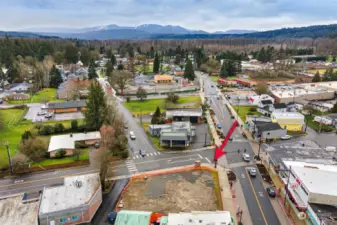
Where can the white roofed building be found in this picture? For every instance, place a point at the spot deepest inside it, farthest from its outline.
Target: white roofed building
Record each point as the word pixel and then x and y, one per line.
pixel 200 218
pixel 74 202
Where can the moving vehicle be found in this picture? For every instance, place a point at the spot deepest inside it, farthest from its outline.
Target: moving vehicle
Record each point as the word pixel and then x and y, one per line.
pixel 42 113
pixel 271 191
pixel 285 137
pixel 252 172
pixel 142 153
pixel 132 135
pixel 246 157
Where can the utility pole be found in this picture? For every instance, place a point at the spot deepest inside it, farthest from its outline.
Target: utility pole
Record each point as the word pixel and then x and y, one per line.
pixel 205 140
pixel 141 117
pixel 9 158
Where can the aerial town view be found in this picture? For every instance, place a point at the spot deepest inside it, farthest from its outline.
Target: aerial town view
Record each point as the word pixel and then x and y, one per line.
pixel 193 112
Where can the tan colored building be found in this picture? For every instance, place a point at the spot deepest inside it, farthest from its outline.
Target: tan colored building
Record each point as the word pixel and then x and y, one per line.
pixel 67 107
pixel 163 79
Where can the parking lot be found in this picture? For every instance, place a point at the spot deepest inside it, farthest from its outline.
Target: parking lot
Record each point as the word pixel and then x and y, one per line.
pixel 34 109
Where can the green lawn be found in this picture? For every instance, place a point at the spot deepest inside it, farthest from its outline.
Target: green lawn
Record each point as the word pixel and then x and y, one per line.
pixel 45 95
pixel 215 78
pixel 148 68
pixel 155 140
pixel 48 162
pixel 245 110
pixel 314 125
pixel 150 105
pixel 12 132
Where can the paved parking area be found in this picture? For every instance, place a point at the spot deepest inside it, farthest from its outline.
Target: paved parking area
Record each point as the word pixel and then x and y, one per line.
pixel 32 112
pixel 199 139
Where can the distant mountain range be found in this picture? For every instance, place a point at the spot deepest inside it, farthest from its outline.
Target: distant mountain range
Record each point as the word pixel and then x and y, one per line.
pixel 155 31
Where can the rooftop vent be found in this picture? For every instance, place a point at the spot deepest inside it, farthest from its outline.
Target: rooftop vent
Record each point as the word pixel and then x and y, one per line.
pixel 78 184
pixel 71 135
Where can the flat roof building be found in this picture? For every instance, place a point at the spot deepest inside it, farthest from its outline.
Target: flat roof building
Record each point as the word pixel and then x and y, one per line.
pixel 17 210
pixel 70 106
pixel 74 202
pixel 186 114
pixel 200 218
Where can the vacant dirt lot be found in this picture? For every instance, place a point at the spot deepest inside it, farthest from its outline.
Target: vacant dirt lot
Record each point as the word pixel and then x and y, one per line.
pixel 177 192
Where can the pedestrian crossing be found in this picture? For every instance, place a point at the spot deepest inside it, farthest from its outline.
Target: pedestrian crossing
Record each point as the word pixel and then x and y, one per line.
pixel 147 154
pixel 130 164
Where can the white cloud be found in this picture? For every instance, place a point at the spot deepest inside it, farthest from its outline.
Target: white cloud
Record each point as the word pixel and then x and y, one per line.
pixel 209 15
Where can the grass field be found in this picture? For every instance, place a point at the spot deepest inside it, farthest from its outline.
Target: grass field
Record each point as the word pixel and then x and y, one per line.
pixel 45 95
pixel 150 105
pixel 215 78
pixel 245 110
pixel 321 71
pixel 48 162
pixel 314 125
pixel 13 129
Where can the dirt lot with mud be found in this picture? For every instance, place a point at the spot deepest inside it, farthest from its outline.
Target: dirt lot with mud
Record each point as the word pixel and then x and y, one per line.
pixel 177 192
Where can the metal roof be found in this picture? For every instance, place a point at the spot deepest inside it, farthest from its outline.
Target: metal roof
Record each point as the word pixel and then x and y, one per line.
pixel 66 105
pixel 126 217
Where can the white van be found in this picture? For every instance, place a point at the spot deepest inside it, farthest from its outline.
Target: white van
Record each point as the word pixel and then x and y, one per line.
pixel 132 135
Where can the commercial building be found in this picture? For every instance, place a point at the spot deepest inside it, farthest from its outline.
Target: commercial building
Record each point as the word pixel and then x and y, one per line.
pixel 163 79
pixel 74 202
pixel 67 142
pixel 66 107
pixel 291 121
pixel 186 114
pixel 266 130
pixel 19 209
pixel 256 99
pixel 177 134
pixel 309 92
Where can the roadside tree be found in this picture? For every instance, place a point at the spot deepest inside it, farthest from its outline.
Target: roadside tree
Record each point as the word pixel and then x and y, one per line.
pixel 156 64
pixel 141 93
pixel 189 72
pixel 261 89
pixel 92 70
pixel 109 69
pixel 55 77
pixel 34 149
pixel 121 79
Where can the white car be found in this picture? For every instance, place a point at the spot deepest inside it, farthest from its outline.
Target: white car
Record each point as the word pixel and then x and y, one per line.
pixel 44 107
pixel 246 157
pixel 252 172
pixel 285 137
pixel 42 113
pixel 132 135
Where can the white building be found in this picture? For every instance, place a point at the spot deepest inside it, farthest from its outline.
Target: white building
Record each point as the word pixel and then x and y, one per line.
pixel 310 183
pixel 200 218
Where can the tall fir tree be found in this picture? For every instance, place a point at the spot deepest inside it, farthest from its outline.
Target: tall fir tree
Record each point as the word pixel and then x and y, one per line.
pixel 189 72
pixel 55 77
pixel 109 69
pixel 156 116
pixel 113 59
pixel 92 70
pixel 96 112
pixel 317 77
pixel 156 64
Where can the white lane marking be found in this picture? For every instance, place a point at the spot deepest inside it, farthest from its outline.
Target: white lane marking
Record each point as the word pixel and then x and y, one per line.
pixel 151 154
pixel 207 160
pixel 158 153
pixel 243 175
pixel 186 160
pixel 200 156
pixel 137 156
pixel 133 157
pixel 155 153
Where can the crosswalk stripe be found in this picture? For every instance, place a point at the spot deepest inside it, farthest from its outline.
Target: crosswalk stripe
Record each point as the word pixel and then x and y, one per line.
pixel 158 153
pixel 133 157
pixel 155 153
pixel 151 154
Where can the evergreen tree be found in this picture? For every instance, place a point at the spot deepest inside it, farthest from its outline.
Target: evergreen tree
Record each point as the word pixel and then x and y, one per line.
pixel 317 77
pixel 109 69
pixel 156 64
pixel 177 59
pixel 334 109
pixel 55 77
pixel 223 71
pixel 262 55
pixel 189 72
pixel 120 66
pixel 151 52
pixel 228 68
pixel 96 112
pixel 156 116
pixel 71 54
pixel 92 70
pixel 113 59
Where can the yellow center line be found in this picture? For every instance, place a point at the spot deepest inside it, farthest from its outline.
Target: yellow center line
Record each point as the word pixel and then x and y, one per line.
pixel 50 178
pixel 257 199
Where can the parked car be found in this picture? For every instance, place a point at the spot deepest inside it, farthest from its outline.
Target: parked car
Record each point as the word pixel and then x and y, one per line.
pixel 271 191
pixel 132 135
pixel 246 157
pixel 285 137
pixel 126 126
pixel 44 107
pixel 48 115
pixel 97 144
pixel 252 172
pixel 42 113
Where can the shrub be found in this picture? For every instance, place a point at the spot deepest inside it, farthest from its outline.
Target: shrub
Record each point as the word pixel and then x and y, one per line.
pixel 172 98
pixel 26 135
pixel 74 125
pixel 125 154
pixel 60 154
pixel 47 155
pixel 38 126
pixel 252 110
pixel 34 149
pixel 46 130
pixel 250 113
pixel 128 99
pixel 81 145
pixel 58 128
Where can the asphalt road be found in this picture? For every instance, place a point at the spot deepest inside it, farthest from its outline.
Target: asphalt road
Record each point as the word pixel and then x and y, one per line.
pixel 258 202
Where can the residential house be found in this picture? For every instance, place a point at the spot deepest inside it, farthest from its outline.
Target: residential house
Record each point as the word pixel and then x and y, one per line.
pixel 192 115
pixel 20 87
pixel 177 134
pixel 82 73
pixel 18 209
pixel 321 106
pixel 163 79
pixel 291 121
pixel 333 117
pixel 256 99
pixel 17 96
pixel 280 107
pixel 66 107
pixel 67 142
pixel 266 108
pixel 268 131
pixel 74 202
pixel 178 71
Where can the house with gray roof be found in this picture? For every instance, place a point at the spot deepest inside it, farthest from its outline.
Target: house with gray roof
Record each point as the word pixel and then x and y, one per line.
pixel 66 107
pixel 192 115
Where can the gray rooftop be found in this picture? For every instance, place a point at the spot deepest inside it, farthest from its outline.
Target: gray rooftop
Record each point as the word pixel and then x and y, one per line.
pixel 184 112
pixel 14 212
pixel 179 136
pixel 76 191
pixel 67 105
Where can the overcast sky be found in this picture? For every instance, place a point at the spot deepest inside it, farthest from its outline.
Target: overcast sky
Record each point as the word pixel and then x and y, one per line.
pixel 208 15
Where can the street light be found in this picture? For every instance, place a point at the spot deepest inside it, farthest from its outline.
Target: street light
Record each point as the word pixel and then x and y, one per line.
pixel 9 158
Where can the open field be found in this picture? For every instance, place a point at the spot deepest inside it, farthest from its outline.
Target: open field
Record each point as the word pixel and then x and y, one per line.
pixel 14 129
pixel 43 96
pixel 176 192
pixel 245 110
pixel 149 106
pixel 48 162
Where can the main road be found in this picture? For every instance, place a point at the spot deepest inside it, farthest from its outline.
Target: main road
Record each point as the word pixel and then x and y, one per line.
pixel 258 202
